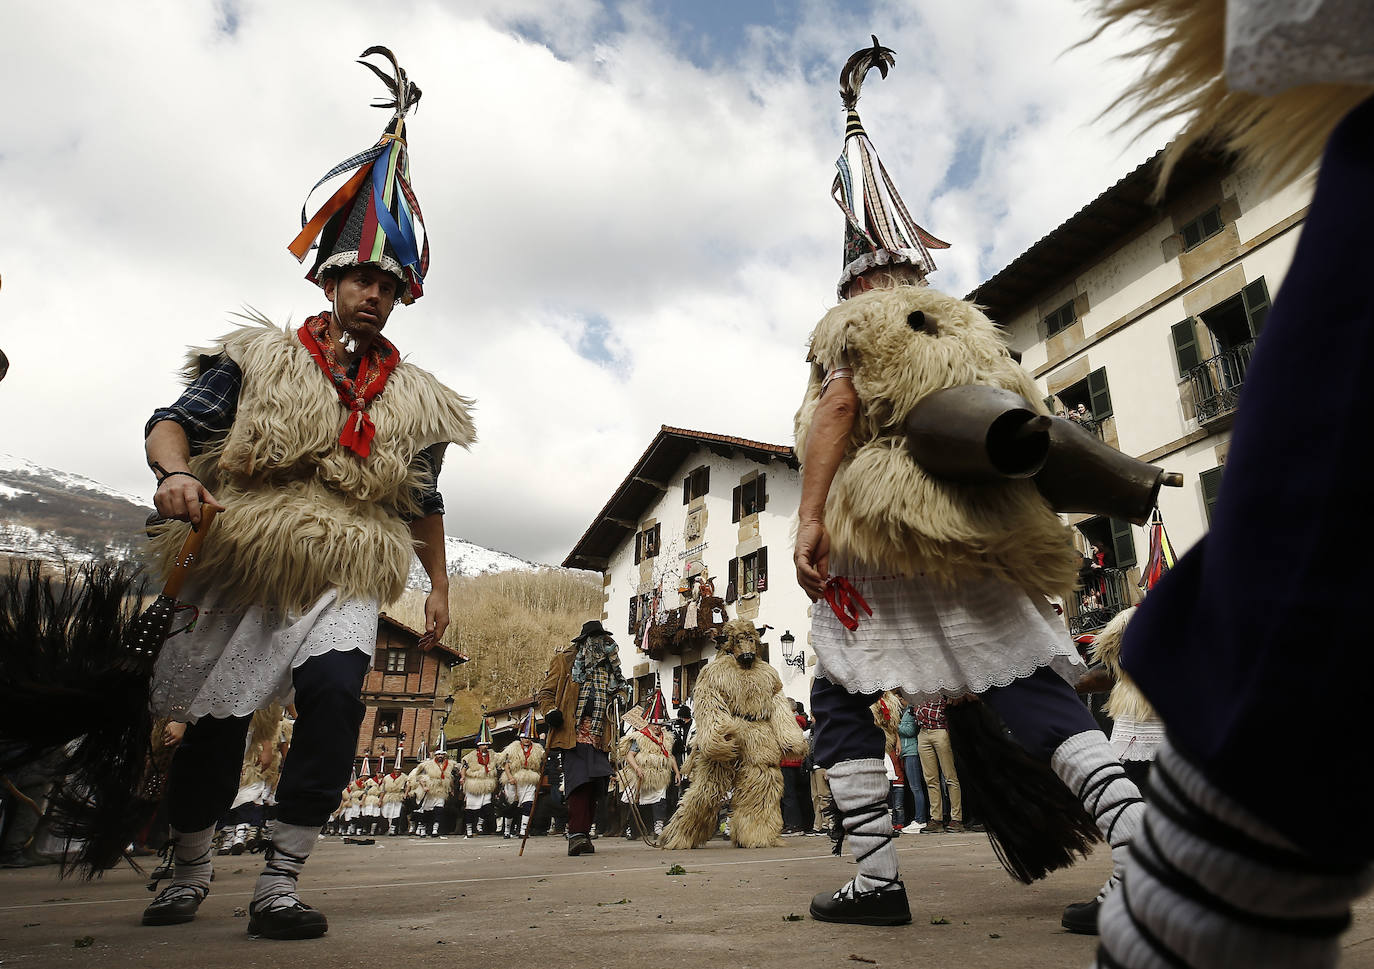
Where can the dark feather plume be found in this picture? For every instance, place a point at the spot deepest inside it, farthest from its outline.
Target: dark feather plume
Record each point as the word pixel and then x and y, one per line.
pixel 75 684
pixel 859 64
pixel 1035 823
pixel 404 94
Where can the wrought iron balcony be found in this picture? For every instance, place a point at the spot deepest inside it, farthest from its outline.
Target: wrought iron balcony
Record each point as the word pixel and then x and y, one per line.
pixel 1102 594
pixel 1217 380
pixel 1089 424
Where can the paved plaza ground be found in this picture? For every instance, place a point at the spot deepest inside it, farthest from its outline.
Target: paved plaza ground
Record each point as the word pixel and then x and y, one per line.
pixel 407 902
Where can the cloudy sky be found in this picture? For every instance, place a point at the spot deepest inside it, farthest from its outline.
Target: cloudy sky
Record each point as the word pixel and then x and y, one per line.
pixel 628 204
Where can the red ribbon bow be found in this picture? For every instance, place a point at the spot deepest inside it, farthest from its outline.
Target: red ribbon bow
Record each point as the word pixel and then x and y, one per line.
pixel 845 601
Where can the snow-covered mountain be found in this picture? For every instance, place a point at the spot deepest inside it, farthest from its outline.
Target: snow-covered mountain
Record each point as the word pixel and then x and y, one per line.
pixel 50 514
pixel 466 559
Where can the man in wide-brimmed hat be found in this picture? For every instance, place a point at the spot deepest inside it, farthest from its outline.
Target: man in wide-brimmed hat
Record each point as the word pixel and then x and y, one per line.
pixel 578 702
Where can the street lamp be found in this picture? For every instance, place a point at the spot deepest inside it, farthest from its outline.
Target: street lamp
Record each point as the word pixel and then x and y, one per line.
pixel 788 642
pixel 448 711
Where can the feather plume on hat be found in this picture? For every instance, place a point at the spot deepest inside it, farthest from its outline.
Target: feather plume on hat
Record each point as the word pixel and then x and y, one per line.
pixel 374 217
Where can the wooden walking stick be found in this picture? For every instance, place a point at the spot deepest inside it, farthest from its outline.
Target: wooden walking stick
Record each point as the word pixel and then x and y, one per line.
pixel 543 783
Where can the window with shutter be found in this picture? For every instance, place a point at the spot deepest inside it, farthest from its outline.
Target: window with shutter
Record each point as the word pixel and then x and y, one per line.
pixel 696 484
pixel 413 660
pixel 735 514
pixel 1256 296
pixel 1099 397
pixel 761 582
pixel 752 495
pixel 1202 228
pixel 731 585
pixel 634 614
pixel 1123 543
pixel 1211 490
pixel 1185 346
pixel 1060 319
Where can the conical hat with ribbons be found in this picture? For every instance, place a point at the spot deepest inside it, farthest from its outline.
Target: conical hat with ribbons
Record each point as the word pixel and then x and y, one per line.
pixel 374 217
pixel 527 728
pixel 656 711
pixel 879 231
pixel 484 733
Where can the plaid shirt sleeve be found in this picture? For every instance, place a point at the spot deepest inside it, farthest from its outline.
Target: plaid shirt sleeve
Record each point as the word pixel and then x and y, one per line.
pixel 431 461
pixel 205 410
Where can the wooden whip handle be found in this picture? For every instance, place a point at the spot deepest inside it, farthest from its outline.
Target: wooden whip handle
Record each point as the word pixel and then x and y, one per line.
pixel 190 551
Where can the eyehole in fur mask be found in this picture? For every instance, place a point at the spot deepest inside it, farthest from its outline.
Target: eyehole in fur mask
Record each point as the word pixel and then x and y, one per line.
pixel 919 322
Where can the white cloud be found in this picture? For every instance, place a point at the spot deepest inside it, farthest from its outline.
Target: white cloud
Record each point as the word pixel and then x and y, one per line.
pixel 587 178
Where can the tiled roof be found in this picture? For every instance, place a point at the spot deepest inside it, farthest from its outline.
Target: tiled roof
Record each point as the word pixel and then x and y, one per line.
pixel 660 460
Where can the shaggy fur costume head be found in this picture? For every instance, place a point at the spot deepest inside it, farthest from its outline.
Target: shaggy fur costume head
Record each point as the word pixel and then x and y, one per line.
pixel 1126 700
pixel 904 343
pixel 745 727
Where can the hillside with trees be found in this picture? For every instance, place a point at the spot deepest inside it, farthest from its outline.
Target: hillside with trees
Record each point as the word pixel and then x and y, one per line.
pixel 508 624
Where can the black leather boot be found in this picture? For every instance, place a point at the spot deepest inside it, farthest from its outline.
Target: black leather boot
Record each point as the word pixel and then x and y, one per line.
pixel 296 921
pixel 174 905
pixel 885 907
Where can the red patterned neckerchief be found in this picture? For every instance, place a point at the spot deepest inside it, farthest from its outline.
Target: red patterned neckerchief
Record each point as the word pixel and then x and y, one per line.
pixel 528 749
pixel 484 757
pixel 355 393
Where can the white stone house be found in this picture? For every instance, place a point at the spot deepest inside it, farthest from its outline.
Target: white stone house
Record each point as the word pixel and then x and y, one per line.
pixel 1145 313
pixel 694 502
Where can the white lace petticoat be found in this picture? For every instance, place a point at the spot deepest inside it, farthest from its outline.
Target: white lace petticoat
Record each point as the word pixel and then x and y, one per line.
pixel 235 661
pixel 1136 739
pixel 925 639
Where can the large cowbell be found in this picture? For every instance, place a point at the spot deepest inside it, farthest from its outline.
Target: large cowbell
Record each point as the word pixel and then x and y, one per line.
pixel 977 434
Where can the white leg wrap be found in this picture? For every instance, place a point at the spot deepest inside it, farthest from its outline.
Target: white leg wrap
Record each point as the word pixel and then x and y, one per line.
pixel 1211 886
pixel 191 862
pixel 284 858
pixel 1086 764
pixel 859 788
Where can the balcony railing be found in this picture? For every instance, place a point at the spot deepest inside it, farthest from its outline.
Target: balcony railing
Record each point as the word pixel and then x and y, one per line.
pixel 1089 424
pixel 1102 594
pixel 1216 382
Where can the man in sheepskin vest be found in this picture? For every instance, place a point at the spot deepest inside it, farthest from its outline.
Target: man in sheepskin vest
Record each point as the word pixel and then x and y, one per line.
pixel 393 797
pixel 578 700
pixel 257 781
pixel 522 764
pixel 319 447
pixel 478 772
pixel 924 586
pixel 372 803
pixel 649 764
pixel 433 786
